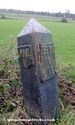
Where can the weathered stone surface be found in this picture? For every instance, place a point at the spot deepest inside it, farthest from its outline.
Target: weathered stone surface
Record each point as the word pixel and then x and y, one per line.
pixel 33 26
pixel 38 73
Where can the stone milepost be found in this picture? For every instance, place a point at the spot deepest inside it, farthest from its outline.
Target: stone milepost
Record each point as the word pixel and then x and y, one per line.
pixel 38 71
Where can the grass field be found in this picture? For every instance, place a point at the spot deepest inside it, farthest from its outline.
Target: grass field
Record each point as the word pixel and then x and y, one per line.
pixel 64 40
pixel 63 36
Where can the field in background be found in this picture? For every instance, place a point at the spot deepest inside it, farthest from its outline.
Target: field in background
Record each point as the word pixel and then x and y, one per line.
pixel 64 40
pixel 63 36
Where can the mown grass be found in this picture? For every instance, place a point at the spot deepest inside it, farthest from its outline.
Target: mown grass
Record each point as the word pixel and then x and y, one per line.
pixel 63 37
pixel 10 27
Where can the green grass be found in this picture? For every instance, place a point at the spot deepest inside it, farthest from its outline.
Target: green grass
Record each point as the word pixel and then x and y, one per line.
pixel 10 27
pixel 64 39
pixel 63 36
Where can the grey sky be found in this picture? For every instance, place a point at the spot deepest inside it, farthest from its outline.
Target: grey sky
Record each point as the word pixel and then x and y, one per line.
pixel 39 5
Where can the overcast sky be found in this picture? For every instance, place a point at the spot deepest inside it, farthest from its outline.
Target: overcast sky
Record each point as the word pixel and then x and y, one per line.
pixel 40 5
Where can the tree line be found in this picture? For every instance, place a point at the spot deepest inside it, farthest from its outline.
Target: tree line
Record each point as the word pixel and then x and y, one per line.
pixel 67 14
